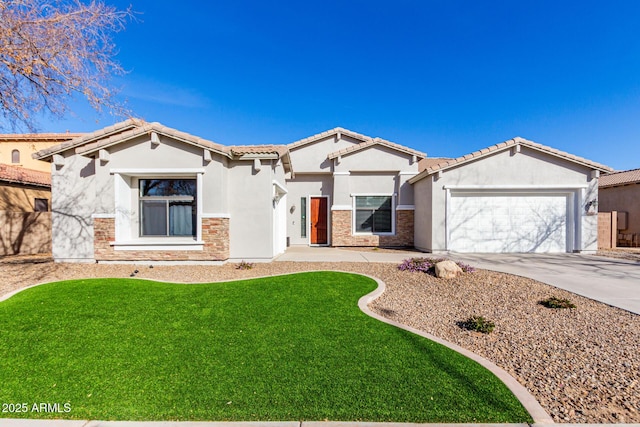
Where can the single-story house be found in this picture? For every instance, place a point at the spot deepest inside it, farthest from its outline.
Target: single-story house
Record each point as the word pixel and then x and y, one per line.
pixel 620 191
pixel 138 191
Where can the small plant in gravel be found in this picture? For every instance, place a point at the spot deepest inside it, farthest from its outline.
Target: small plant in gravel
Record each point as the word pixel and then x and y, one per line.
pixel 554 302
pixel 243 265
pixel 478 324
pixel 427 265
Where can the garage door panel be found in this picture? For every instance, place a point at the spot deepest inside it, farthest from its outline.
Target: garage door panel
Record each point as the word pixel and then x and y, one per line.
pixel 508 222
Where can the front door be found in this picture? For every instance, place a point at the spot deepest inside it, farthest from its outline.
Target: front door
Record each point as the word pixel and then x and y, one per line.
pixel 319 228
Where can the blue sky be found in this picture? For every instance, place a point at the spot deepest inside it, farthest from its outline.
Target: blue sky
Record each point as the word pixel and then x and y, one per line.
pixel 445 77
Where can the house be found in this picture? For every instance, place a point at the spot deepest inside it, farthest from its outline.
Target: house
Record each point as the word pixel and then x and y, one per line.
pixel 516 196
pixel 620 191
pixel 138 191
pixel 17 149
pixel 351 190
pixel 25 224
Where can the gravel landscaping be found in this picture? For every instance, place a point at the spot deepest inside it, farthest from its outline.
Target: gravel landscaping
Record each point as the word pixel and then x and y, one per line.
pixel 582 364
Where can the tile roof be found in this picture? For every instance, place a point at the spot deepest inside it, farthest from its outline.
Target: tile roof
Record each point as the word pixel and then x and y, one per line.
pixel 373 142
pixel 132 128
pixel 147 128
pixel 330 132
pixel 620 178
pixel 38 137
pixel 84 138
pixel 428 162
pixel 448 163
pixel 20 175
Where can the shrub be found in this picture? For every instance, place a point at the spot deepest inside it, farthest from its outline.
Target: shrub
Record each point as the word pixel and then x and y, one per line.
pixel 478 324
pixel 427 265
pixel 553 302
pixel 244 265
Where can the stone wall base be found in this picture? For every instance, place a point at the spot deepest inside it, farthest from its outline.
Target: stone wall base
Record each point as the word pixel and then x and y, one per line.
pixel 341 231
pixel 215 234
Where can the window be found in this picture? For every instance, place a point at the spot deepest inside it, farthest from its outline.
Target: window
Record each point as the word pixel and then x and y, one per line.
pixel 15 156
pixel 303 217
pixel 41 205
pixel 373 214
pixel 168 207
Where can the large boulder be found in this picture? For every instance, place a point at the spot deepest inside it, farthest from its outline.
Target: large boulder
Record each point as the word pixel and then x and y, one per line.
pixel 447 269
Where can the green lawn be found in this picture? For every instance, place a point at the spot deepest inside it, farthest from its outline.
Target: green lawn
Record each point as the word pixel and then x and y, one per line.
pixel 285 348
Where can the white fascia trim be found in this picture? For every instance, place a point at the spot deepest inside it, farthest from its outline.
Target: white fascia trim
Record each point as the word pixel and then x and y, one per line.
pixel 216 215
pixel 103 215
pixel 515 187
pixel 156 171
pixel 406 208
pixel 408 173
pixel 341 173
pixel 341 207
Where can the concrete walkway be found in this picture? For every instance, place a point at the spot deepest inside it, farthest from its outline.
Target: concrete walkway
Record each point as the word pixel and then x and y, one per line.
pixel 326 254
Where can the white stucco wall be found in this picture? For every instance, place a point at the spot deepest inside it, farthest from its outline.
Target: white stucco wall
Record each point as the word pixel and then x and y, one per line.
pixel 529 168
pixel 312 157
pixel 73 197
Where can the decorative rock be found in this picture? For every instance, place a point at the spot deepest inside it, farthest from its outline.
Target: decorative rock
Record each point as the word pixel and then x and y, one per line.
pixel 447 269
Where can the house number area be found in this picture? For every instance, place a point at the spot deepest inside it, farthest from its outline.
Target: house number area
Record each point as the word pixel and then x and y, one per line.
pixel 15 408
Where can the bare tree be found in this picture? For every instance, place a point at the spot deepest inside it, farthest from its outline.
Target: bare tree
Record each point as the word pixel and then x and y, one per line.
pixel 51 50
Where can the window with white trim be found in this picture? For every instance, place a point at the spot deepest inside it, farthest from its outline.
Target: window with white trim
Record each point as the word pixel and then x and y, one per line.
pixel 373 214
pixel 168 207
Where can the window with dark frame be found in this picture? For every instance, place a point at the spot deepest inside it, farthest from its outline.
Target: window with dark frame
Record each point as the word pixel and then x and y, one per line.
pixel 373 214
pixel 168 207
pixel 41 205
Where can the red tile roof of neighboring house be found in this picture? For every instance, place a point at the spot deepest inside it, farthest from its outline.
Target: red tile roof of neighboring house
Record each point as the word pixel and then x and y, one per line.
pixel 620 178
pixel 448 163
pixel 20 175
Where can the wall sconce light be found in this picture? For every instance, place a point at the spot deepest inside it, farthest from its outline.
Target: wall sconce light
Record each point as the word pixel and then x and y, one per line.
pixel 591 207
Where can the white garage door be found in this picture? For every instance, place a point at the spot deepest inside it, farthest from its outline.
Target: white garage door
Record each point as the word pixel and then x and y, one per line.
pixel 508 222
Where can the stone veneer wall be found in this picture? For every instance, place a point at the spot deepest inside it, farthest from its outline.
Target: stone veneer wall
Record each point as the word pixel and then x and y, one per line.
pixel 341 231
pixel 215 234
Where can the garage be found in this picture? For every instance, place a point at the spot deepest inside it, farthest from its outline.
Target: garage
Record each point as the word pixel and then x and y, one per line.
pixel 513 197
pixel 507 221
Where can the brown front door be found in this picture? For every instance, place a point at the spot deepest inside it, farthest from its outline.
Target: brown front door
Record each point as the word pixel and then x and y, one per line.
pixel 319 229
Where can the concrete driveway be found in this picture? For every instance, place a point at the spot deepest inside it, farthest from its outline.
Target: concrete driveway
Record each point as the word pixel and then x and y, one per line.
pixel 613 281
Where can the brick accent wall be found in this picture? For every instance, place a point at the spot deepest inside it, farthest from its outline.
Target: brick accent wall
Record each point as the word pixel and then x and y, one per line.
pixel 341 231
pixel 215 234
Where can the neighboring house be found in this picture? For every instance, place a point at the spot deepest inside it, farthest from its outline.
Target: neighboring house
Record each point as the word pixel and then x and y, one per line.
pixel 620 191
pixel 17 149
pixel 140 191
pixel 516 196
pixel 25 223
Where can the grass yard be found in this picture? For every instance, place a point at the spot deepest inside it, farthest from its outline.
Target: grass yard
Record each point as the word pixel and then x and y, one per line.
pixel 292 347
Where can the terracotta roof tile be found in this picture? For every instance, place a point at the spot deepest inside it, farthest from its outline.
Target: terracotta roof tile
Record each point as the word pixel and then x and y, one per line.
pixel 20 175
pixel 325 134
pixel 620 178
pixel 430 162
pixel 373 142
